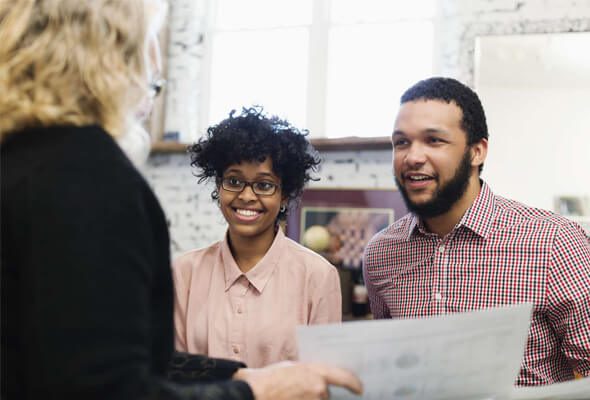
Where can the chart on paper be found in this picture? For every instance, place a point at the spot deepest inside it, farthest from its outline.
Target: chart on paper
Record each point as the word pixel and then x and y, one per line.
pixel 473 355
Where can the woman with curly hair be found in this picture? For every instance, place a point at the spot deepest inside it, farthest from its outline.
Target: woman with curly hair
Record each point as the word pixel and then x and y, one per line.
pixel 242 297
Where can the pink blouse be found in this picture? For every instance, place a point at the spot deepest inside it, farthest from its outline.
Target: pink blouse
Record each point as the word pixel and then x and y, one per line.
pixel 222 312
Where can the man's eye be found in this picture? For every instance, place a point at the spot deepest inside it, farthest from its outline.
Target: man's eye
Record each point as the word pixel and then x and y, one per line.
pixel 399 142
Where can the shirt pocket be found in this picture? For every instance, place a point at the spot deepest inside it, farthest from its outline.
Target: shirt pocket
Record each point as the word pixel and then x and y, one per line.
pixel 406 288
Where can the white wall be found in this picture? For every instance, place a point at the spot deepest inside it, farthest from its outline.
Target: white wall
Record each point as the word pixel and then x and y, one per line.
pixel 539 143
pixel 194 221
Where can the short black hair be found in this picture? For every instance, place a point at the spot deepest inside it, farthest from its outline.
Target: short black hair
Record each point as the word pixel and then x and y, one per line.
pixel 451 90
pixel 253 136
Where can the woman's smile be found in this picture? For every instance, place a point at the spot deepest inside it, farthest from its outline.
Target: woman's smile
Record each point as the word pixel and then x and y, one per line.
pixel 247 215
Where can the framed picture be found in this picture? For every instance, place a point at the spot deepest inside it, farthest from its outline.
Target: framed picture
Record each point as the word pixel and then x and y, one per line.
pixel 338 223
pixel 572 205
pixel 576 208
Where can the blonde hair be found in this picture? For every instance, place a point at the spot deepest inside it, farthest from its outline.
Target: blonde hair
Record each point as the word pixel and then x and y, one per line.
pixel 74 62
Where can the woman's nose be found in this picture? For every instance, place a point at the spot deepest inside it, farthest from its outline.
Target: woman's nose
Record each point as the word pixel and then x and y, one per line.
pixel 248 193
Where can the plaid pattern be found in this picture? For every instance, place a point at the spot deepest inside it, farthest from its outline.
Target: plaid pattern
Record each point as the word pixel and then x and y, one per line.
pixel 501 252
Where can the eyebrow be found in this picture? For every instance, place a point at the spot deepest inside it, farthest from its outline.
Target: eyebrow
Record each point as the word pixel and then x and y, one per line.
pixel 259 174
pixel 427 131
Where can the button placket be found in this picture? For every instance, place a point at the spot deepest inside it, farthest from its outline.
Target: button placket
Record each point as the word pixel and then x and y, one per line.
pixel 441 263
pixel 238 322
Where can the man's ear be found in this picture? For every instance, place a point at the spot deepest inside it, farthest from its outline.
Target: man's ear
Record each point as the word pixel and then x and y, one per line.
pixel 479 152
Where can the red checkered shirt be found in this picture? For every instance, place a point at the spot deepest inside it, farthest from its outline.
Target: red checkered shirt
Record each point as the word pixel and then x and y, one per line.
pixel 501 252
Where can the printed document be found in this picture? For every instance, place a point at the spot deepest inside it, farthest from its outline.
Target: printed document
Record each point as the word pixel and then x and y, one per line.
pixel 474 355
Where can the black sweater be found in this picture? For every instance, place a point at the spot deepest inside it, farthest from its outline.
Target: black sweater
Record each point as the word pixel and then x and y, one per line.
pixel 87 296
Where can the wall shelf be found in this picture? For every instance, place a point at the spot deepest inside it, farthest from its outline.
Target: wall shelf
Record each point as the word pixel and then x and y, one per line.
pixel 322 144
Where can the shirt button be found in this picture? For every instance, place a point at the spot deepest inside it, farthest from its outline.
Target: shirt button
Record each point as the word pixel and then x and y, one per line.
pixel 441 248
pixel 236 349
pixel 239 310
pixel 438 296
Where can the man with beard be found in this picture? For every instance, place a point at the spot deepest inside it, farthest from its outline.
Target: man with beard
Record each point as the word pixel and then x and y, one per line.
pixel 464 248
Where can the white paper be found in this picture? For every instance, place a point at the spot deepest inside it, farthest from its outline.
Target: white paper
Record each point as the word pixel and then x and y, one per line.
pixel 475 355
pixel 571 390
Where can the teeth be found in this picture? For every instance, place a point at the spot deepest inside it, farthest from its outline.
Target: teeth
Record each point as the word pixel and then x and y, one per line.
pixel 247 213
pixel 419 178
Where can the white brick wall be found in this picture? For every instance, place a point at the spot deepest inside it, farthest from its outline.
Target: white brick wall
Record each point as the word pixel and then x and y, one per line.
pixel 193 217
pixel 461 21
pixel 185 52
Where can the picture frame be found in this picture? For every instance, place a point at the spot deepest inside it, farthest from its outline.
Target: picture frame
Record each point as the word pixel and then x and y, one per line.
pixel 343 221
pixel 572 205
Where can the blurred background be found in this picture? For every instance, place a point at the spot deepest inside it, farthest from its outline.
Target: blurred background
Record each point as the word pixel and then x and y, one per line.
pixel 338 67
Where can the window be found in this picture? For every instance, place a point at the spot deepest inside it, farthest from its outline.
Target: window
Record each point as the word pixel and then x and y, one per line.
pixel 336 67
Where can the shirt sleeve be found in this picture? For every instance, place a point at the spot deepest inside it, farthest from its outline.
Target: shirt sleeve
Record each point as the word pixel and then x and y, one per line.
pixel 230 390
pixel 326 300
pixel 191 368
pixel 377 304
pixel 569 295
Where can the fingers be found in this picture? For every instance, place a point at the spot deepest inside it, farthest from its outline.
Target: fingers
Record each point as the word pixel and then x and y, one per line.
pixel 281 364
pixel 298 380
pixel 316 387
pixel 339 377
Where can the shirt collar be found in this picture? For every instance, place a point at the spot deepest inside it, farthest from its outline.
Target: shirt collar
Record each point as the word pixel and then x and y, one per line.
pixel 478 218
pixel 415 225
pixel 261 273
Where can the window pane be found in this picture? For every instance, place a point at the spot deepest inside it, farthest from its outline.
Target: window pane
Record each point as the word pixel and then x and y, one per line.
pixel 266 68
pixel 353 11
pixel 240 14
pixel 369 68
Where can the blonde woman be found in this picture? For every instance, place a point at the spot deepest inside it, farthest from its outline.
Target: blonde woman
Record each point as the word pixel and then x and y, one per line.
pixel 87 296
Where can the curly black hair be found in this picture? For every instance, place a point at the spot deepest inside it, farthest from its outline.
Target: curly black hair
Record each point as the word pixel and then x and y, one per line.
pixel 451 90
pixel 253 136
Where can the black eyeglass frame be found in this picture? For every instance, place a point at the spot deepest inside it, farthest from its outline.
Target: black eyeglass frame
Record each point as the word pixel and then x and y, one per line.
pixel 252 184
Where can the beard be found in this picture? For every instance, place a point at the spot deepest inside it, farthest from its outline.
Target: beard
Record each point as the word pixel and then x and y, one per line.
pixel 445 196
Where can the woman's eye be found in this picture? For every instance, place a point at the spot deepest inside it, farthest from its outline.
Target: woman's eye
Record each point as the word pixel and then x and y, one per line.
pixel 265 185
pixel 234 181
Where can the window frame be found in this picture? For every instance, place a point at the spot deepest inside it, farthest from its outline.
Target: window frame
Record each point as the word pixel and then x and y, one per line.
pixel 317 71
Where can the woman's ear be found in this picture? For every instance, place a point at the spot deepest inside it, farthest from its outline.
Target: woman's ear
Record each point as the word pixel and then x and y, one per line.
pixel 216 197
pixel 285 202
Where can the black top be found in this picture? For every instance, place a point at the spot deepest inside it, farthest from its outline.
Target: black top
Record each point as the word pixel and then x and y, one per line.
pixel 87 296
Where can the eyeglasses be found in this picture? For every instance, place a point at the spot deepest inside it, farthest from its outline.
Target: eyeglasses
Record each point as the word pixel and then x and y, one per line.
pixel 157 86
pixel 261 188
